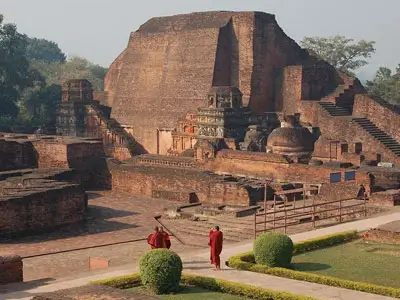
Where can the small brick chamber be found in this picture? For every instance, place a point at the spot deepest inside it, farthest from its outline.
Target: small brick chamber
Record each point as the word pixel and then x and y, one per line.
pixel 10 269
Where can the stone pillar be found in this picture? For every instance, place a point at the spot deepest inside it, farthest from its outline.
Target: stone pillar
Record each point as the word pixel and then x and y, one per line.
pixel 11 269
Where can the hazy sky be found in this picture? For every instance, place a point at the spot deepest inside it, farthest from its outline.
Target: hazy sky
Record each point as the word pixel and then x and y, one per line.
pixel 99 29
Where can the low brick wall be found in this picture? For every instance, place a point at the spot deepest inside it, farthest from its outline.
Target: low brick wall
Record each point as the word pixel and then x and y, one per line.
pixel 209 188
pixel 385 198
pixel 11 269
pixel 41 210
pixel 383 236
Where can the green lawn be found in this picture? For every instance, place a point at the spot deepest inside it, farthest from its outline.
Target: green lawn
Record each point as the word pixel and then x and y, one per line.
pixel 193 293
pixel 358 261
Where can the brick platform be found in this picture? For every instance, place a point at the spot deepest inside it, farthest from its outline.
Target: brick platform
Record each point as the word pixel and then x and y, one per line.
pixel 10 269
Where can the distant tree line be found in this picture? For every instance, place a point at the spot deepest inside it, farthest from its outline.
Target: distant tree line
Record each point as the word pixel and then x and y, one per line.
pixel 32 71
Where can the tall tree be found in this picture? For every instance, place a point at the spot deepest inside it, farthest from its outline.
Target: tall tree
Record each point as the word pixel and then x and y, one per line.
pixel 341 52
pixel 386 85
pixel 44 50
pixel 75 67
pixel 15 71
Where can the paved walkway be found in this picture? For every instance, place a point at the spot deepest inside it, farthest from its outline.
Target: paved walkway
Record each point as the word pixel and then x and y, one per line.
pixel 198 263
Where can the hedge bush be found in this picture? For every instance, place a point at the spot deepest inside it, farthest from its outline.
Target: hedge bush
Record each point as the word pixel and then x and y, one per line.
pixel 161 271
pixel 325 241
pixel 246 261
pixel 217 285
pixel 273 249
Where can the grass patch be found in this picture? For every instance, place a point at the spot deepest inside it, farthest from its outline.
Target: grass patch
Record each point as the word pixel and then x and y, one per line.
pixel 313 271
pixel 357 261
pixel 191 293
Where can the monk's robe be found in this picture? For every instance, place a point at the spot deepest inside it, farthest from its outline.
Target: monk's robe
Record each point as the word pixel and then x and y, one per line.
pixel 166 240
pixel 155 240
pixel 215 243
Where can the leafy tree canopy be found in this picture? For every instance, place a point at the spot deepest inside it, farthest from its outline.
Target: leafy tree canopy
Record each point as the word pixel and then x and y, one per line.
pixel 75 67
pixel 15 71
pixel 386 85
pixel 343 53
pixel 44 50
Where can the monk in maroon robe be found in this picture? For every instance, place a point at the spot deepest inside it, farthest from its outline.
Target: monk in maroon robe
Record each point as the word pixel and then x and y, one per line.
pixel 166 239
pixel 155 240
pixel 215 243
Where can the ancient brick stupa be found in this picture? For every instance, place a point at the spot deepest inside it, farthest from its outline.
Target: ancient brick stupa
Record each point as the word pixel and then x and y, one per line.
pixel 170 64
pixel 291 139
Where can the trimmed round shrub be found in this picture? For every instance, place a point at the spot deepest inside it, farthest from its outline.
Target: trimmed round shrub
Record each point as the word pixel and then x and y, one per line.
pixel 161 271
pixel 273 249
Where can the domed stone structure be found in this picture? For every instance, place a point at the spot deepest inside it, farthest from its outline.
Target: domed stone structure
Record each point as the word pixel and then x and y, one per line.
pixel 255 140
pixel 291 139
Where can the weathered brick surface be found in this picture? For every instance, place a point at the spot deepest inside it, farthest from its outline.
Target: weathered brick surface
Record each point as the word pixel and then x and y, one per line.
pixel 31 210
pixel 382 114
pixel 170 64
pixel 385 198
pixel 277 170
pixel 339 191
pixel 144 180
pixel 15 154
pixel 343 129
pixel 11 269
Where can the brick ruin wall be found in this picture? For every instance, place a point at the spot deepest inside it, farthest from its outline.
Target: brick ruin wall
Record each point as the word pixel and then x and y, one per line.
pixel 306 82
pixel 183 55
pixel 231 163
pixel 276 169
pixel 11 269
pixel 382 114
pixel 42 210
pixel 385 198
pixel 339 191
pixel 340 129
pixel 145 180
pixel 16 155
pixel 86 158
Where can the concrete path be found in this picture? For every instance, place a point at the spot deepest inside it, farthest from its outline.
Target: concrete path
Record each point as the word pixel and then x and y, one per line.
pixel 198 263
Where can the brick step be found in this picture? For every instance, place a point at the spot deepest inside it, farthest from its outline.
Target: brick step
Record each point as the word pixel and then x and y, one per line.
pixel 335 110
pixel 378 134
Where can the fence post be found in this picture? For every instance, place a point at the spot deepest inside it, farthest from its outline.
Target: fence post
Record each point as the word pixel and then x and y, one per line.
pixel 313 214
pixel 365 206
pixel 255 225
pixel 285 220
pixel 340 211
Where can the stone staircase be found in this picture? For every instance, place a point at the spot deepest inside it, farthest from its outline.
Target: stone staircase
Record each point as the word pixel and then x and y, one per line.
pixel 378 134
pixel 343 95
pixel 334 110
pixel 112 125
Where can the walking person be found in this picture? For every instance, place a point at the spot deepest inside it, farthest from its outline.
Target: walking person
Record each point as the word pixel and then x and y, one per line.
pixel 215 243
pixel 155 240
pixel 166 239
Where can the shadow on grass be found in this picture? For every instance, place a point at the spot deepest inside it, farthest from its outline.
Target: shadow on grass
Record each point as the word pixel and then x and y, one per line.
pixel 309 266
